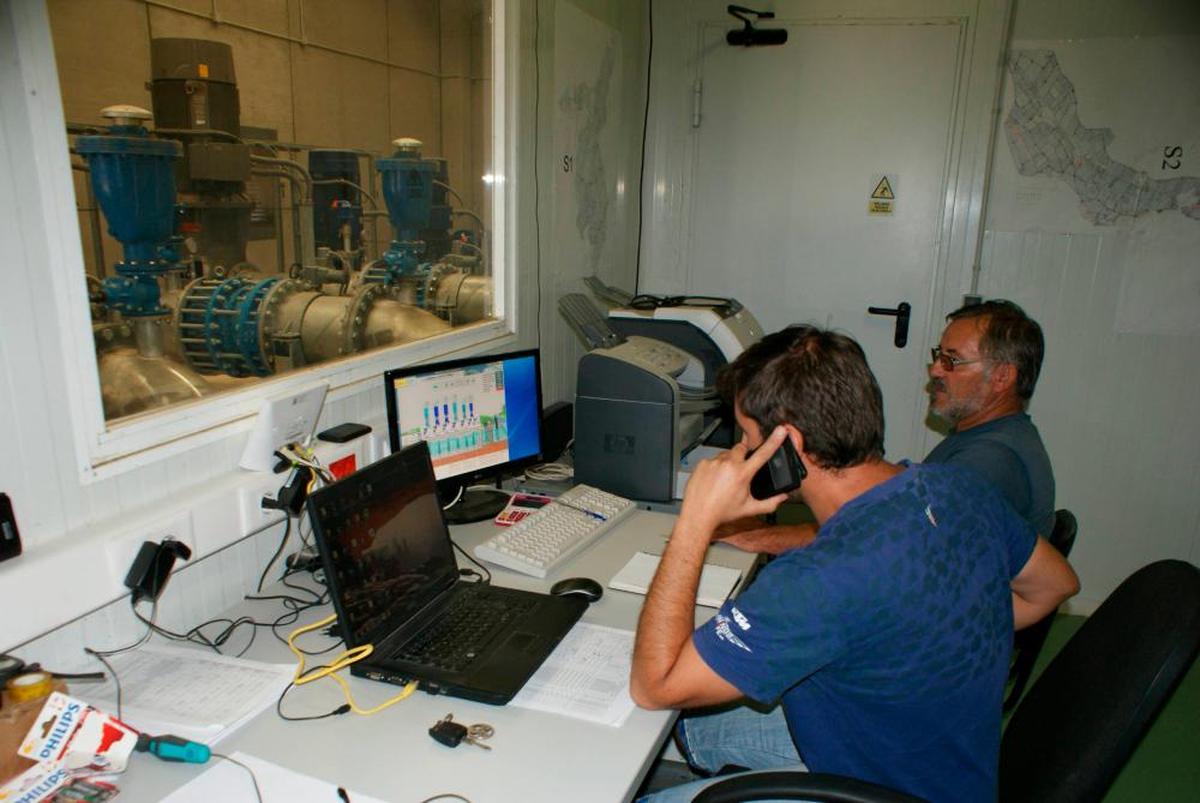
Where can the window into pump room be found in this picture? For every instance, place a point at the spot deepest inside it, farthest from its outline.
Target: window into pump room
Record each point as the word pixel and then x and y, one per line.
pixel 269 187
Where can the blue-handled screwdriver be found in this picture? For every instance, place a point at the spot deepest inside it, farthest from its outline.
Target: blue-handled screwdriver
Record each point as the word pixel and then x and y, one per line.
pixel 173 748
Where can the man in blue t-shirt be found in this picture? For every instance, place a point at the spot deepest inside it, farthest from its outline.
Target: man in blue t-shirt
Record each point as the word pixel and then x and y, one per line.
pixel 982 376
pixel 885 642
pixel 981 379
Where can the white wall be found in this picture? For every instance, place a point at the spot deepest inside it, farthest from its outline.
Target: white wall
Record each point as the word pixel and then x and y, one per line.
pixel 1116 402
pixel 71 528
pixel 566 255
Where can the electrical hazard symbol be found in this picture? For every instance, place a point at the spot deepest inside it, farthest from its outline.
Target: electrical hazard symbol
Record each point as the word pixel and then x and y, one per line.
pixel 883 197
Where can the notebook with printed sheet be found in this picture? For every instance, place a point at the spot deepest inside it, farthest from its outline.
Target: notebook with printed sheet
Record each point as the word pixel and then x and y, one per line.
pixel 395 584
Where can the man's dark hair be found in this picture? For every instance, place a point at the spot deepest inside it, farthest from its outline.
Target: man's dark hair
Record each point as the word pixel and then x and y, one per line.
pixel 1010 336
pixel 817 381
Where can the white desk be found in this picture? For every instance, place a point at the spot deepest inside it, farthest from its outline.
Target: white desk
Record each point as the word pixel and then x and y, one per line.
pixel 534 757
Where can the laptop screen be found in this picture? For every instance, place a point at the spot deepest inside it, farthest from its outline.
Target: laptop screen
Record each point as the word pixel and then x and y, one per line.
pixel 385 541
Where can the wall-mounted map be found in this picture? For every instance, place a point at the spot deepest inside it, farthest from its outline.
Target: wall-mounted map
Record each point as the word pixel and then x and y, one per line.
pixel 1047 138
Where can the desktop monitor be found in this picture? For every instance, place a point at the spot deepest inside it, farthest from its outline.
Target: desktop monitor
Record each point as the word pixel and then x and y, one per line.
pixel 481 417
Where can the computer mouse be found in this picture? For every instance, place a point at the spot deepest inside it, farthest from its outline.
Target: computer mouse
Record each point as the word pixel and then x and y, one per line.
pixel 584 587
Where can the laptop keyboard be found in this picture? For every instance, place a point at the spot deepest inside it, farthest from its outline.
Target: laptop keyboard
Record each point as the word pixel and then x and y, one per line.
pixel 453 642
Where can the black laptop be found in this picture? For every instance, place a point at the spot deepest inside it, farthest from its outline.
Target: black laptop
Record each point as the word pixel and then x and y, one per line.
pixel 395 584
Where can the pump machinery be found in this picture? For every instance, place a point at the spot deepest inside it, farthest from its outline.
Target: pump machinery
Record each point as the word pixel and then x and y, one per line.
pixel 185 314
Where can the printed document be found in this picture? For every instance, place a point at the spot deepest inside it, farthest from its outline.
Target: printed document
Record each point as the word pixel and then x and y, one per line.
pixel 586 677
pixel 197 695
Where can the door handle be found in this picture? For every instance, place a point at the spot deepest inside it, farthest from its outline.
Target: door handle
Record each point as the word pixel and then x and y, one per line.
pixel 902 312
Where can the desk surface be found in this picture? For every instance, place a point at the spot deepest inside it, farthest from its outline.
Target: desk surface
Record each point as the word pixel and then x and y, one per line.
pixel 535 756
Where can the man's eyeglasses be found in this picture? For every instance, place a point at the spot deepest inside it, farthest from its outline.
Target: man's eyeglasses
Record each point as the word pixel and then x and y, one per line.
pixel 948 361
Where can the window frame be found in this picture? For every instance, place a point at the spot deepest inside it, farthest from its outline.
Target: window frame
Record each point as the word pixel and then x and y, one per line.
pixel 103 450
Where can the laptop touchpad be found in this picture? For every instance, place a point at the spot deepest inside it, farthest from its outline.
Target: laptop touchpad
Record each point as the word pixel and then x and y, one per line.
pixel 522 642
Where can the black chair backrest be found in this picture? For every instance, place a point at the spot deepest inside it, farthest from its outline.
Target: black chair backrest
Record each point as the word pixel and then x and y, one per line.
pixel 1027 643
pixel 1066 527
pixel 1082 719
pixel 794 785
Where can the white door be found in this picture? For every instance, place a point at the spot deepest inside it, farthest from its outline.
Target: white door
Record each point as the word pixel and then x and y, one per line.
pixel 791 144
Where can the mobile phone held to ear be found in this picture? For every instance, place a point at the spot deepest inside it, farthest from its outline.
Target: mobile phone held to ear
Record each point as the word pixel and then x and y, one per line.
pixel 781 474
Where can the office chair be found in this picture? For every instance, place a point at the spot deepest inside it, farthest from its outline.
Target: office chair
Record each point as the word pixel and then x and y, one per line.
pixel 1028 643
pixel 1083 716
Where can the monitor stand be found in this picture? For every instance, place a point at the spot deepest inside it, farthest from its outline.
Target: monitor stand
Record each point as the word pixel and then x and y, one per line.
pixel 477 504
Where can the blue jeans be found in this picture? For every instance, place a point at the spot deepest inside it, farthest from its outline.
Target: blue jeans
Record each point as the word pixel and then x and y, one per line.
pixel 739 735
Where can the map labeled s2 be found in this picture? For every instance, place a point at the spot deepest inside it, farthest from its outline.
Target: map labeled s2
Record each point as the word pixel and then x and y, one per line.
pixel 1172 157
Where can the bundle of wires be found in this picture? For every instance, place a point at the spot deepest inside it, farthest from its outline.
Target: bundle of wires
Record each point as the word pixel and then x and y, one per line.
pixel 331 670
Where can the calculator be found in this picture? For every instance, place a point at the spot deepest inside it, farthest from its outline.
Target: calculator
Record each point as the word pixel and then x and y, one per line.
pixel 519 506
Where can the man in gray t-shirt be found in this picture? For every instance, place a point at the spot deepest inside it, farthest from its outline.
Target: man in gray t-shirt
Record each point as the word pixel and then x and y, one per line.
pixel 983 374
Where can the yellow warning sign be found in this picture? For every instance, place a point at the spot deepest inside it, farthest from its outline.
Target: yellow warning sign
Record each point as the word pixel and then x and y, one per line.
pixel 883 197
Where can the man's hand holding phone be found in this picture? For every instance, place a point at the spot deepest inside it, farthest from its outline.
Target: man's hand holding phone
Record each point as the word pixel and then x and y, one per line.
pixel 719 489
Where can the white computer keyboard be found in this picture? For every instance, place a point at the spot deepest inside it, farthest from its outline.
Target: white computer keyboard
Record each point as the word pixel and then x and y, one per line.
pixel 542 541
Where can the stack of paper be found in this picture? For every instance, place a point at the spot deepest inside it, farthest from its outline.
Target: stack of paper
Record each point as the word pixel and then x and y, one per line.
pixel 716 582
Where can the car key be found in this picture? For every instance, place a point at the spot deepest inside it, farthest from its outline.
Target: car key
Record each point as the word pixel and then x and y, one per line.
pixel 448 732
pixel 451 733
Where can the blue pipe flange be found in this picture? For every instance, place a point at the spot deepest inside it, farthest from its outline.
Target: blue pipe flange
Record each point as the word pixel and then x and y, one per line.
pixel 400 260
pixel 218 321
pixel 134 296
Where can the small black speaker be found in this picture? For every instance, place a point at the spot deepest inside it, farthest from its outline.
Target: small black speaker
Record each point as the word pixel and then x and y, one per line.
pixel 757 37
pixel 558 427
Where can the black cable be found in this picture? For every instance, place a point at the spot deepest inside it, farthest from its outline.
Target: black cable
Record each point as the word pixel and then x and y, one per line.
pixel 487 575
pixel 305 538
pixel 637 273
pixel 287 531
pixel 341 709
pixel 253 780
pixel 294 607
pixel 445 795
pixel 647 301
pixel 99 656
pixel 145 637
pixel 197 635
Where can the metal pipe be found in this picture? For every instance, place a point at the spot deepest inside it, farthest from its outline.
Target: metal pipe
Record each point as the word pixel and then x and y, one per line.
pixel 280 259
pixel 197 132
pixel 372 176
pixel 450 190
pixel 350 184
pixel 289 165
pixel 148 334
pixel 304 222
pixel 297 244
pixel 472 215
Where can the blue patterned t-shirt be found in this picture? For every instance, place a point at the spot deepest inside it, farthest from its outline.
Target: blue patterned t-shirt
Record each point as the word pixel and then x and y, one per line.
pixel 889 637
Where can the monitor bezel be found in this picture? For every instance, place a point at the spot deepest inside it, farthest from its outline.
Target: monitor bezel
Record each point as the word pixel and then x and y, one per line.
pixel 448 488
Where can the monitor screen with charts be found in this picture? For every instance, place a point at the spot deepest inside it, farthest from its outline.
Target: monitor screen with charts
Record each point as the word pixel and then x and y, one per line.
pixel 480 416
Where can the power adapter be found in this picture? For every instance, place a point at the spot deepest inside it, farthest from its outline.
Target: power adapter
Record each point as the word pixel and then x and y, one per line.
pixel 292 494
pixel 305 560
pixel 151 567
